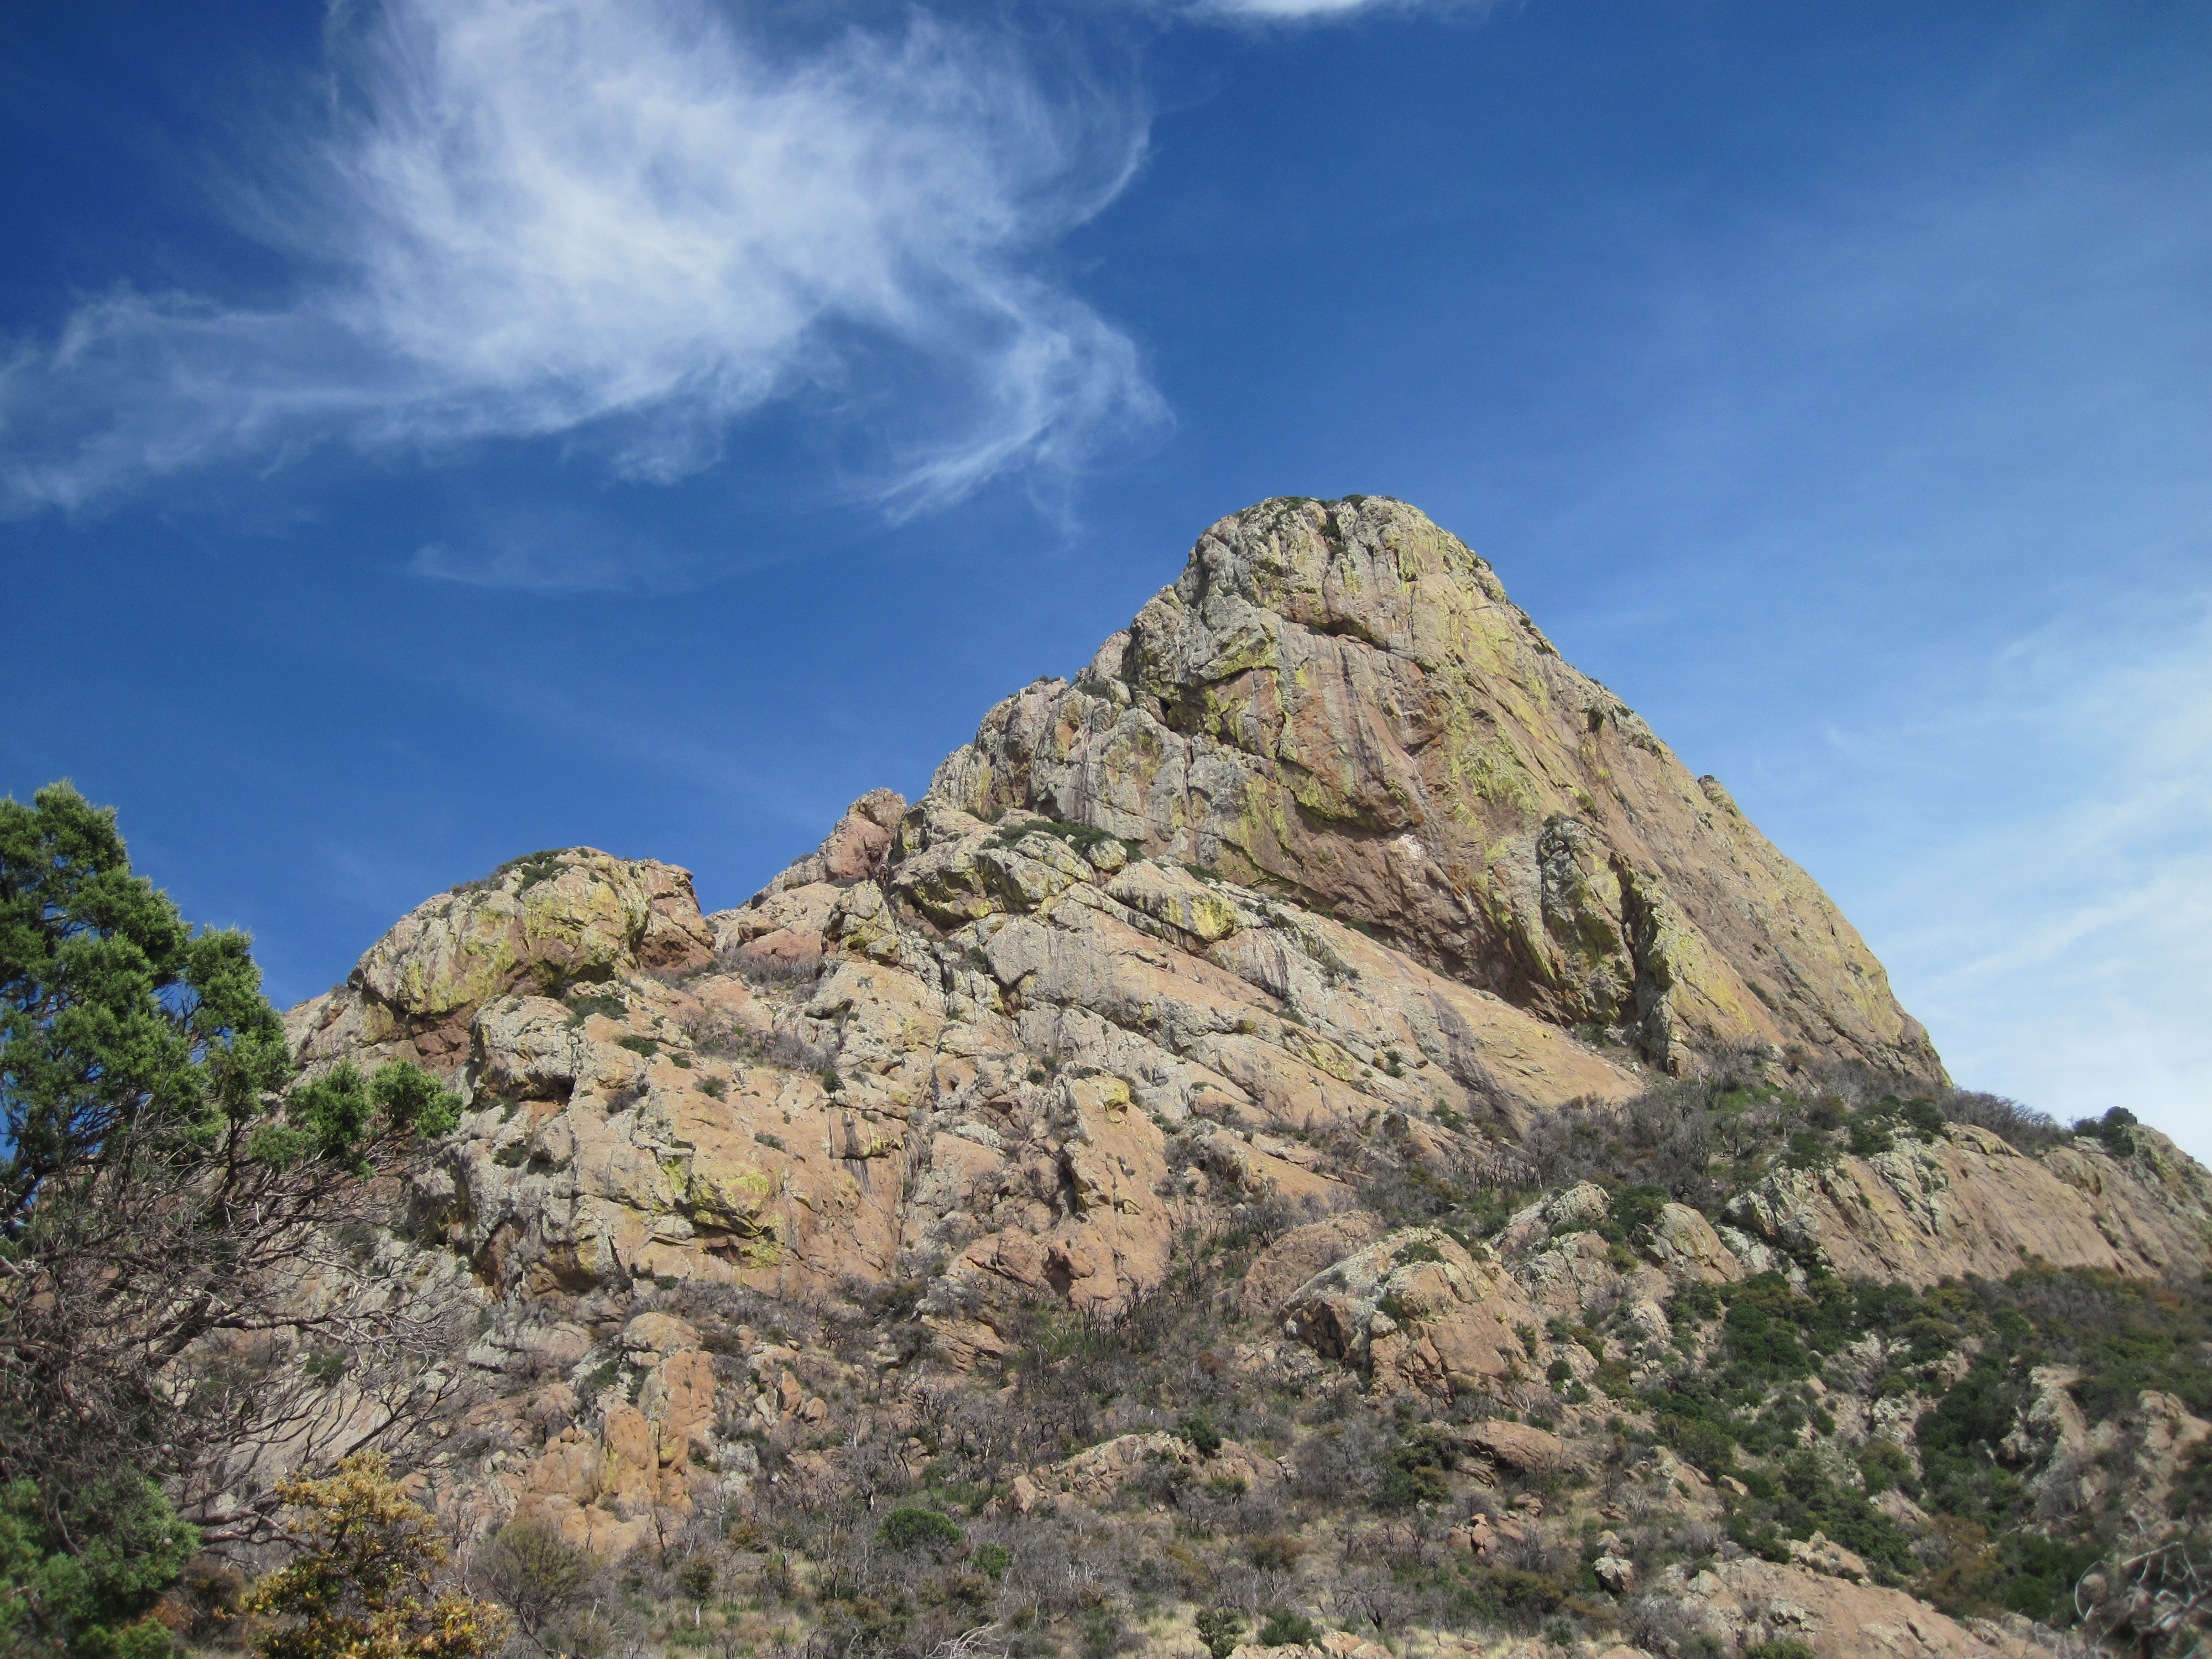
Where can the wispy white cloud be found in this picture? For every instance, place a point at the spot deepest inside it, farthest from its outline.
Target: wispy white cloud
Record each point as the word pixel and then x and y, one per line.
pixel 1286 8
pixel 2048 906
pixel 1292 11
pixel 630 225
pixel 1919 468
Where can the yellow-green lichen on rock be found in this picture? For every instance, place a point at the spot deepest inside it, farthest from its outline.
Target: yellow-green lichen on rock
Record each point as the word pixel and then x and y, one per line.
pixel 540 923
pixel 1347 706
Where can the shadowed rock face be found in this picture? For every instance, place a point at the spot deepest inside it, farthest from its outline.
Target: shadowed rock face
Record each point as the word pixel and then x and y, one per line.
pixel 1337 702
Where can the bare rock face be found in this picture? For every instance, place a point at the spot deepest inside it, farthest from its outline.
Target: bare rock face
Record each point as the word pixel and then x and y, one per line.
pixel 1301 1253
pixel 539 922
pixel 1338 703
pixel 1748 1602
pixel 1418 1312
pixel 1315 882
pixel 1970 1203
pixel 1035 1060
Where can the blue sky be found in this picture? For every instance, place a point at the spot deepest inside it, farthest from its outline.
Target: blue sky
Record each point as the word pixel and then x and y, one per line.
pixel 433 431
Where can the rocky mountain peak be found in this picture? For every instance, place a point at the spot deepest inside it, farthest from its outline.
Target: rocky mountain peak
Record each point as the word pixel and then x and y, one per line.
pixel 1337 702
pixel 1226 1121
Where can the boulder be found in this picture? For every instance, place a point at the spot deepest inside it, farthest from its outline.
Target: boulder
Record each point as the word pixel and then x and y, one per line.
pixel 1749 1600
pixel 1298 1254
pixel 1522 1447
pixel 1418 1312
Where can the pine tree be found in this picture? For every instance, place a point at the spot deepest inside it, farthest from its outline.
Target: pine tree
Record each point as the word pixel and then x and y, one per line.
pixel 164 1184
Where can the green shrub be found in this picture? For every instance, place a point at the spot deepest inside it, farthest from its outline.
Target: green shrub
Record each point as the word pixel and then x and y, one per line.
pixel 1758 1339
pixel 1870 1136
pixel 1202 1435
pixel 2039 1574
pixel 1883 1464
pixel 1101 1636
pixel 1287 1630
pixel 1924 1118
pixel 1958 1437
pixel 1808 1150
pixel 1219 1629
pixel 1693 1304
pixel 1710 1449
pixel 1632 1209
pixel 2113 1129
pixel 910 1527
pixel 1415 1472
pixel 1516 1592
pixel 1810 1502
pixel 1081 836
pixel 533 868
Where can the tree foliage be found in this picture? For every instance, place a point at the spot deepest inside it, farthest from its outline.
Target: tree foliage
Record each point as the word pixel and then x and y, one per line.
pixel 83 1582
pixel 126 1038
pixel 362 1583
pixel 165 1203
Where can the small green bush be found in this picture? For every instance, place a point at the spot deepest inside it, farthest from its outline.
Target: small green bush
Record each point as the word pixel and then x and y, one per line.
pixel 1883 1464
pixel 2113 1129
pixel 533 868
pixel 910 1527
pixel 1710 1449
pixel 1870 1136
pixel 90 1596
pixel 1924 1118
pixel 1287 1630
pixel 1219 1629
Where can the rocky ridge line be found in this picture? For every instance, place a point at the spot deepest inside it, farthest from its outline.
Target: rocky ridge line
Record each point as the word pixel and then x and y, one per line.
pixel 1303 880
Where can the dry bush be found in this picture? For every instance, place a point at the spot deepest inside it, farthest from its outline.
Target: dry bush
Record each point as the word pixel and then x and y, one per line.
pixel 541 1579
pixel 2022 1126
pixel 770 970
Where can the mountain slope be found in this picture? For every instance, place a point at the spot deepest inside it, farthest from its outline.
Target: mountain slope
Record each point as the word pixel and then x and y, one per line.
pixel 1192 1142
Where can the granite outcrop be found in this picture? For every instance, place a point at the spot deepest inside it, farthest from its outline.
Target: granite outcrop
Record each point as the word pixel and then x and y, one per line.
pixel 1337 702
pixel 1241 968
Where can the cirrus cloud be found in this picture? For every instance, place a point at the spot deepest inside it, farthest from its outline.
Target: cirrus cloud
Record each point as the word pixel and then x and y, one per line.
pixel 630 225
